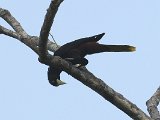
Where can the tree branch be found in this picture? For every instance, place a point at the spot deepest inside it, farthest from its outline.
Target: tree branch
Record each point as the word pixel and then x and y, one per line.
pixel 5 14
pixel 44 33
pixel 34 40
pixel 96 84
pixel 82 74
pixel 31 41
pixel 19 33
pixel 152 104
pixel 8 32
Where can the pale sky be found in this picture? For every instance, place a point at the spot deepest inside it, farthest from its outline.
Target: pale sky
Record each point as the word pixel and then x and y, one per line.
pixel 25 93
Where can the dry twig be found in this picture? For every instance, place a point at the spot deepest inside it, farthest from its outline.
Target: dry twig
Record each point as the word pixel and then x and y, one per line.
pixel 152 104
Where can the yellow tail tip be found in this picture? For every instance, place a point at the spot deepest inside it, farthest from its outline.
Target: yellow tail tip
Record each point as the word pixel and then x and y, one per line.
pixel 131 48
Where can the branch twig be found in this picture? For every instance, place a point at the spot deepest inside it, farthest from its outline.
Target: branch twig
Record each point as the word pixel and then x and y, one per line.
pixel 152 104
pixel 5 14
pixel 44 33
pixel 8 32
pixel 20 34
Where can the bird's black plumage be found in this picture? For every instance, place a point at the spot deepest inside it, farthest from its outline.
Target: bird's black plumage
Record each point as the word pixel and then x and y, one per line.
pixel 75 52
pixel 77 49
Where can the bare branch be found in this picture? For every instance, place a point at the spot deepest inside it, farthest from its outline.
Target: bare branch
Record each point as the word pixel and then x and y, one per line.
pixel 152 104
pixel 96 84
pixel 5 14
pixel 44 33
pixel 8 32
pixel 33 40
pixel 31 43
pixel 19 33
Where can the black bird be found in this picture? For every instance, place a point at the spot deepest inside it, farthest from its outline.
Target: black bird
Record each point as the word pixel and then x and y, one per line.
pixel 75 52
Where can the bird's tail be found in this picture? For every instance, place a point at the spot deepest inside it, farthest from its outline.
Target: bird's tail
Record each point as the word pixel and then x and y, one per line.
pixel 98 48
pixel 117 48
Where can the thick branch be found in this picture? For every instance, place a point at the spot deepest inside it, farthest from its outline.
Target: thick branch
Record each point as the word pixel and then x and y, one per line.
pixel 152 104
pixel 44 33
pixel 101 88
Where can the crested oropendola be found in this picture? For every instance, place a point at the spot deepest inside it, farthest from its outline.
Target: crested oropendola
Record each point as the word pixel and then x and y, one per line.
pixel 76 51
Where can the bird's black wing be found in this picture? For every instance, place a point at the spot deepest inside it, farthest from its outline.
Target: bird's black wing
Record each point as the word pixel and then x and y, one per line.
pixel 75 44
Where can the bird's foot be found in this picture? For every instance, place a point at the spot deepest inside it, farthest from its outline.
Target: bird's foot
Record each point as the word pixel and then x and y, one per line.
pixel 77 65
